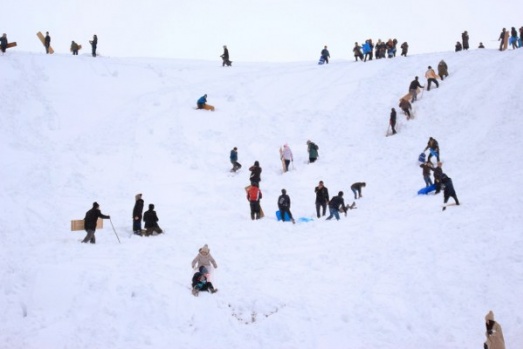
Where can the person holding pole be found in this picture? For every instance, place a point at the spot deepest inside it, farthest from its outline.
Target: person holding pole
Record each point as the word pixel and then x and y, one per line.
pixel 91 217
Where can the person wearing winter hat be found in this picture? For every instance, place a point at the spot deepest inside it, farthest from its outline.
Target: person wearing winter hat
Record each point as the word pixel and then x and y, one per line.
pixel 413 89
pixel 335 205
pixel 431 77
pixel 90 220
pixel 200 282
pixel 151 222
pixel 284 205
pixel 137 214
pixel 256 171
pixel 356 189
pixel 494 333
pixel 204 258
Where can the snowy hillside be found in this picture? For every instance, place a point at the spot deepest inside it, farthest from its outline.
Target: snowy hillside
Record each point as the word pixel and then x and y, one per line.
pixel 396 272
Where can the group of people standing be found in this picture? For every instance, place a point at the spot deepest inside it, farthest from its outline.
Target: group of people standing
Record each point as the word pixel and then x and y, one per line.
pixel 382 49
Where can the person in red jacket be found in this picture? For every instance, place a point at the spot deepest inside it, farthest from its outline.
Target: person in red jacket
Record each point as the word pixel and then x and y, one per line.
pixel 254 195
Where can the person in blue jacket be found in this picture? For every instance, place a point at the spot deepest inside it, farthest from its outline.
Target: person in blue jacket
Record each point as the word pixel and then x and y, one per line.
pixel 201 102
pixel 234 160
pixel 367 50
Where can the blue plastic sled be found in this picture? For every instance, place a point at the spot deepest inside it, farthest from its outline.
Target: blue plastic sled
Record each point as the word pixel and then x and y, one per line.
pixel 286 218
pixel 421 157
pixel 322 60
pixel 426 190
pixel 434 153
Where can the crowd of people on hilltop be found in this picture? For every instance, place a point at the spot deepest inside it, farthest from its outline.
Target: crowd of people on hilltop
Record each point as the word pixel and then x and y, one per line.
pixel 505 38
pixel 381 49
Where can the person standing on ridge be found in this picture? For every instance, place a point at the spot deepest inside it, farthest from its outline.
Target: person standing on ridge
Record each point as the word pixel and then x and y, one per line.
pixel 465 40
pixel 47 42
pixel 284 205
pixel 90 220
pixel 502 39
pixel 406 107
pixel 392 120
pixel 225 57
pixel 404 49
pixel 494 333
pixel 325 54
pixel 3 43
pixel 322 199
pixel 94 44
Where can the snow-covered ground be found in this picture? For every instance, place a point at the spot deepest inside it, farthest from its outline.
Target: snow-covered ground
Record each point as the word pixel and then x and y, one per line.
pixel 397 272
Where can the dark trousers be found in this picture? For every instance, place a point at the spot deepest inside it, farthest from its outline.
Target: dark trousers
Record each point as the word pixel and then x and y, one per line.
pixel 284 210
pixel 235 166
pixel 318 205
pixel 94 50
pixel 255 209
pixel 393 126
pixel 311 160
pixel 287 162
pixel 137 225
pixel 434 81
pixel 90 237
pixel 407 112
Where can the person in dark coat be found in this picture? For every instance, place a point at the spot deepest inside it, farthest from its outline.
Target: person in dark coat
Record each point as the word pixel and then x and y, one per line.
pixel 256 171
pixel 325 54
pixel 3 43
pixel 336 205
pixel 465 40
pixel 90 220
pixel 433 147
pixel 357 52
pixel 137 214
pixel 413 89
pixel 234 160
pixel 392 120
pixel 284 205
pixel 47 42
pixel 438 173
pixel 443 70
pixel 481 45
pixel 458 46
pixel 356 189
pixel 151 221
pixel 312 149
pixel 404 49
pixel 94 44
pixel 427 167
pixel 322 199
pixel 200 282
pixel 448 190
pixel 406 107
pixel 502 39
pixel 254 195
pixel 74 48
pixel 225 57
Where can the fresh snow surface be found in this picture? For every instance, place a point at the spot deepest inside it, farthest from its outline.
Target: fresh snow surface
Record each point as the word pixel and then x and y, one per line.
pixel 396 272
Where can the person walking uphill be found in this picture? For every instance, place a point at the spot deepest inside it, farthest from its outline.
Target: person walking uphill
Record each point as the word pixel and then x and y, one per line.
pixel 413 88
pixel 431 77
pixel 322 199
pixel 151 222
pixel 284 205
pixel 335 205
pixel 256 171
pixel 137 214
pixel 254 195
pixel 494 333
pixel 465 40
pixel 392 120
pixel 90 220
pixel 234 160
pixel 433 147
pixel 204 259
pixel 312 149
pixel 443 70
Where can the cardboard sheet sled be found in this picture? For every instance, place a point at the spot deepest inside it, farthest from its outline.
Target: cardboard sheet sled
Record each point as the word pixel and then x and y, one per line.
pixel 78 224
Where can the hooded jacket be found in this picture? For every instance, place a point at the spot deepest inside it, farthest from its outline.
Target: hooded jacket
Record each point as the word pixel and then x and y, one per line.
pixel 494 333
pixel 204 259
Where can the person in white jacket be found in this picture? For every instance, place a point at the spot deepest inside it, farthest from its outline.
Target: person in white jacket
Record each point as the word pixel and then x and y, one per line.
pixel 204 258
pixel 287 156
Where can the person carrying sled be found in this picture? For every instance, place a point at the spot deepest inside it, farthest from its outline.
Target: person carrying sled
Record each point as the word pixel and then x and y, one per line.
pixel 254 195
pixel 286 156
pixel 3 43
pixel 90 220
pixel 322 199
pixel 200 282
pixel 431 77
pixel 443 70
pixel 47 42
pixel 465 40
pixel 413 89
pixel 137 214
pixel 337 204
pixel 406 107
pixel 356 189
pixel 404 49
pixel 284 205
pixel 256 171
pixel 448 190
pixel 94 44
pixel 225 57
pixel 502 39
pixel 357 52
pixel 74 48
pixel 234 160
pixel 427 167
pixel 494 333
pixel 204 259
pixel 433 147
pixel 392 120
pixel 151 221
pixel 312 149
pixel 325 54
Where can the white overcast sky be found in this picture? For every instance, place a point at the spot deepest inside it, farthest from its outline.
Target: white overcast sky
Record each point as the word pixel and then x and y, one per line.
pixel 254 30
